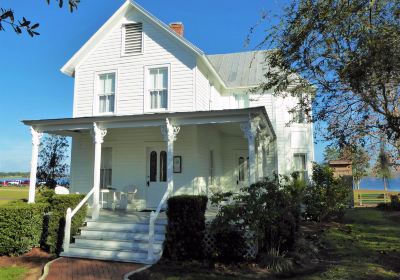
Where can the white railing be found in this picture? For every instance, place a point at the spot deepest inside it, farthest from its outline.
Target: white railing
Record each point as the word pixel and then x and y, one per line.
pixel 68 218
pixel 153 218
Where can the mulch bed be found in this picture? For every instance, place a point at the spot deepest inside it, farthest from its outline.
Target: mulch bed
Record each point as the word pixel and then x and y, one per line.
pixel 34 260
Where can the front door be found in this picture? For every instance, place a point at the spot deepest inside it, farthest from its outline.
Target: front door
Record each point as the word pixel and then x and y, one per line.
pixel 242 169
pixel 156 180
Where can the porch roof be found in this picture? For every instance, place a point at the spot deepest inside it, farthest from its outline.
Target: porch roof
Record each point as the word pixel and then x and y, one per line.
pixel 70 126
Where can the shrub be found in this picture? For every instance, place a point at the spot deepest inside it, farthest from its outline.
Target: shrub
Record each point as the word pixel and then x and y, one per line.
pixel 269 208
pixel 53 234
pixel 273 211
pixel 276 261
pixel 327 197
pixel 393 205
pixel 20 227
pixel 186 224
pixel 228 229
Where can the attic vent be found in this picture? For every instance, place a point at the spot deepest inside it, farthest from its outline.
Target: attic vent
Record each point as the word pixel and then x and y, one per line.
pixel 133 38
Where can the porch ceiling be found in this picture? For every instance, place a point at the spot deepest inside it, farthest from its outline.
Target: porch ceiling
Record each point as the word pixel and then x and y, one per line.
pixel 72 126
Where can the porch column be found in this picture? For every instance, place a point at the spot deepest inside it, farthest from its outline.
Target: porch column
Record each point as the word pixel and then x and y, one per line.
pixel 36 135
pixel 260 158
pixel 98 138
pixel 169 133
pixel 250 131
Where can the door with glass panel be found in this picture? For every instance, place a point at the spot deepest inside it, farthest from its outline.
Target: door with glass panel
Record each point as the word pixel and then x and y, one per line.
pixel 156 175
pixel 242 169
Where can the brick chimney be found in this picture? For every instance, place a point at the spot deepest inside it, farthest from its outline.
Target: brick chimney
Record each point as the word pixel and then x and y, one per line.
pixel 177 27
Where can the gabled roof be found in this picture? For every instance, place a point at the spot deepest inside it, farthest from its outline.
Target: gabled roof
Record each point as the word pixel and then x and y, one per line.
pixel 69 67
pixel 238 70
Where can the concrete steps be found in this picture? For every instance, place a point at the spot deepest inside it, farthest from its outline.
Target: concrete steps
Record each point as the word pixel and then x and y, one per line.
pixel 118 237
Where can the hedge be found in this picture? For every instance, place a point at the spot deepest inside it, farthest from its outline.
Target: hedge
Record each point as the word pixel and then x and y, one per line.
pixel 20 227
pixel 186 225
pixel 54 231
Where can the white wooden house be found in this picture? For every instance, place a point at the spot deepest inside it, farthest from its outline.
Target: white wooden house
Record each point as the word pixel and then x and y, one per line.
pixel 154 113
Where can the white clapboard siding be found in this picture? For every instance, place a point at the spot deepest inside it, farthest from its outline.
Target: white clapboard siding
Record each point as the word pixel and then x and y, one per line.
pixel 159 48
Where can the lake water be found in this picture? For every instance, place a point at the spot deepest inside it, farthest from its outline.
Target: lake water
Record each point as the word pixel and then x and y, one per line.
pixel 366 183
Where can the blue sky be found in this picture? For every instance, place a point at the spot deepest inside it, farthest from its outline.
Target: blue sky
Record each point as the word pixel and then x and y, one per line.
pixel 32 87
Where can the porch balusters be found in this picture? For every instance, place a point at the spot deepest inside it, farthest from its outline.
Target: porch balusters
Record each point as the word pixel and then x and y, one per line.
pixel 36 135
pixel 250 132
pixel 98 138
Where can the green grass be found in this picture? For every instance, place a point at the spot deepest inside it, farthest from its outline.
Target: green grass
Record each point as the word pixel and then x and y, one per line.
pixel 8 194
pixel 366 245
pixel 12 273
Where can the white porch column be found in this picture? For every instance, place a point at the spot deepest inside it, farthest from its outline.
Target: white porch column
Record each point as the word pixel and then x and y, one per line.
pixel 169 133
pixel 250 131
pixel 260 159
pixel 98 138
pixel 36 135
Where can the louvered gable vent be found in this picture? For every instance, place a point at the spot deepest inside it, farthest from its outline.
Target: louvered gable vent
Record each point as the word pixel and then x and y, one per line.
pixel 133 38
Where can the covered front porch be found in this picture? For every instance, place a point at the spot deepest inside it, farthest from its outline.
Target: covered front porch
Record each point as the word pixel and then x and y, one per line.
pixel 151 155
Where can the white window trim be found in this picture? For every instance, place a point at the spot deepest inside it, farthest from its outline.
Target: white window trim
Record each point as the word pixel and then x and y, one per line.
pixel 96 93
pixel 305 159
pixel 123 39
pixel 146 93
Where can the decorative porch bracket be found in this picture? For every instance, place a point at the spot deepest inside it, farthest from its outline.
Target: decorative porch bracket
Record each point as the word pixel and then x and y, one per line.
pixel 169 133
pixel 250 129
pixel 98 135
pixel 36 135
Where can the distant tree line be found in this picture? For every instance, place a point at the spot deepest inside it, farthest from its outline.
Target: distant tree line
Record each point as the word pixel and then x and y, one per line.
pixel 14 174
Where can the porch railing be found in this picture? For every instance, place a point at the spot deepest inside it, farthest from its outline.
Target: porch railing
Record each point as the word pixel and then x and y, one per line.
pixel 153 218
pixel 68 219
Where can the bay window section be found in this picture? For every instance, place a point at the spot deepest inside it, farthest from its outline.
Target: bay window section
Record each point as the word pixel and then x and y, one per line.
pixel 158 88
pixel 106 93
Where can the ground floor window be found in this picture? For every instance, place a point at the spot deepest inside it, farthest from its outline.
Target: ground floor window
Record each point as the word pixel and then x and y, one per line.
pixel 106 168
pixel 300 165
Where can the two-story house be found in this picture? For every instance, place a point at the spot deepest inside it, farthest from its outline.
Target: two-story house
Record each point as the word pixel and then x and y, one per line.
pixel 153 113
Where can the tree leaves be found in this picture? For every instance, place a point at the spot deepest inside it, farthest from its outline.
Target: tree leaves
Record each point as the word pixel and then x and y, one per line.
pixel 7 17
pixel 348 52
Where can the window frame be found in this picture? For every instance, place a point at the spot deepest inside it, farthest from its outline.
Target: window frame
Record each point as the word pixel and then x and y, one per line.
pixel 305 170
pixel 96 93
pixel 123 39
pixel 146 88
pixel 106 171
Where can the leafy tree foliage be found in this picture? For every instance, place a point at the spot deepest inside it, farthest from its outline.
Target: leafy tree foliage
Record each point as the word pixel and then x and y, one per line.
pixel 52 159
pixel 346 52
pixel 7 16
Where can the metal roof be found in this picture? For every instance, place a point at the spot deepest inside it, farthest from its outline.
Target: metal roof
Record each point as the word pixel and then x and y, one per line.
pixel 244 69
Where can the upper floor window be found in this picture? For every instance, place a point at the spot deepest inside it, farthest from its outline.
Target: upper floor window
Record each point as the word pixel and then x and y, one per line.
pixel 106 93
pixel 298 116
pixel 300 165
pixel 158 88
pixel 133 38
pixel 242 101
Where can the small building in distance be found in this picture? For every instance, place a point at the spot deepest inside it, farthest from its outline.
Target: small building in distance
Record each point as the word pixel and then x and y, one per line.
pixel 341 167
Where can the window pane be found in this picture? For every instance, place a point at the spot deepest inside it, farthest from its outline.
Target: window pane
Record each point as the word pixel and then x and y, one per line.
pixel 163 78
pixel 153 166
pixel 163 166
pixel 164 99
pixel 102 104
pixel 241 169
pixel 110 103
pixel 153 79
pixel 110 84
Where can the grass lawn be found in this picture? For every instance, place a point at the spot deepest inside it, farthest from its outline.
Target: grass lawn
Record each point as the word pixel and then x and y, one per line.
pixel 12 193
pixel 13 273
pixel 365 245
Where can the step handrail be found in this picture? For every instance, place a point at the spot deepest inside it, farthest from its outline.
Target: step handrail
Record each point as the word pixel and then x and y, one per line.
pixel 68 218
pixel 153 218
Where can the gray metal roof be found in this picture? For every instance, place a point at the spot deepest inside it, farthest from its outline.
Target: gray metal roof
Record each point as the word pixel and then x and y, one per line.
pixel 243 69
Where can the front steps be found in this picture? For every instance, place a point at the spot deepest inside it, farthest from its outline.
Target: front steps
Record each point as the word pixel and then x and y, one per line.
pixel 118 236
